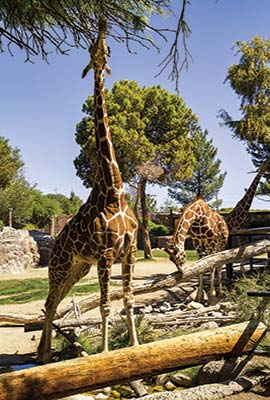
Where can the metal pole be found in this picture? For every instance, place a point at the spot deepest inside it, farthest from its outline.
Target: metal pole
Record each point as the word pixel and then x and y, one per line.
pixel 10 217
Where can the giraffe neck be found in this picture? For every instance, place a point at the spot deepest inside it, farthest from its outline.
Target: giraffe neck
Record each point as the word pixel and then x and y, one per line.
pixel 107 171
pixel 236 217
pixel 188 217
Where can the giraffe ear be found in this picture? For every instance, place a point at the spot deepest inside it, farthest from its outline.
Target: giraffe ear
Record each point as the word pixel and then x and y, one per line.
pixel 108 69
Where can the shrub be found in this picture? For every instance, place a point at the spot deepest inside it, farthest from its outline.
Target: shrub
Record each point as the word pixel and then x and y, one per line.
pixel 119 336
pixel 251 307
pixel 158 229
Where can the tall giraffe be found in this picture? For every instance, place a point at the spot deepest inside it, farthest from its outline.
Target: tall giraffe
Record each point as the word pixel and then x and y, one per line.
pixel 103 229
pixel 238 217
pixel 209 233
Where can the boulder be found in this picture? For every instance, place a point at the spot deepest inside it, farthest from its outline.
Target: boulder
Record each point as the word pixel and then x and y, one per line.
pixel 18 251
pixel 45 243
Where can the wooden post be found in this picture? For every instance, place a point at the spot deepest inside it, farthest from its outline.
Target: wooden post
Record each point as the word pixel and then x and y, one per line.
pixel 57 380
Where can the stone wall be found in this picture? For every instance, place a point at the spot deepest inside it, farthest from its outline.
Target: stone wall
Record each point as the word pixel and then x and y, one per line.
pixel 18 251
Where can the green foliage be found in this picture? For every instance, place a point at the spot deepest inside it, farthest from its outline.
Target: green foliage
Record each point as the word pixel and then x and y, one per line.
pixel 66 351
pixel 169 205
pixel 18 196
pixel 159 253
pixel 158 229
pixel 207 179
pixel 10 163
pixel 44 208
pixel 251 307
pixel 38 27
pixel 147 125
pixel 250 79
pixel 119 336
pixel 69 205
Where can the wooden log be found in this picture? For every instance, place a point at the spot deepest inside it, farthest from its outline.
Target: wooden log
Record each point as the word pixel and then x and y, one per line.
pixel 204 264
pixel 252 231
pixel 57 380
pixel 20 319
pixel 216 260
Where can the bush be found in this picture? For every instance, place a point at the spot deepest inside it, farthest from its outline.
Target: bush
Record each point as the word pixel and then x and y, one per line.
pixel 251 307
pixel 158 229
pixel 119 336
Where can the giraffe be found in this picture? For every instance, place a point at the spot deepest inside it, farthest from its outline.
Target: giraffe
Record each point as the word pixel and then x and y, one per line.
pixel 103 229
pixel 238 217
pixel 209 234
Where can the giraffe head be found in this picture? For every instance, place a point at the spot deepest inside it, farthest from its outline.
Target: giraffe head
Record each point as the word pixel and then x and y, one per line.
pixel 99 51
pixel 177 255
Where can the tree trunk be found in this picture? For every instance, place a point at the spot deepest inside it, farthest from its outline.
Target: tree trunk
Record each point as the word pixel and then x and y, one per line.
pixel 145 219
pixel 125 365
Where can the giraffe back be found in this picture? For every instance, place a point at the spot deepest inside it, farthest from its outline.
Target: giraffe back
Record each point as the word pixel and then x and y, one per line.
pixel 208 230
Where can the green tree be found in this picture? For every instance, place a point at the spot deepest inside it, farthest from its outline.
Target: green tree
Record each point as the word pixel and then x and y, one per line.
pixel 10 162
pixel 147 124
pixel 37 27
pixel 44 208
pixel 150 129
pixel 250 79
pixel 18 196
pixel 169 205
pixel 207 179
pixel 69 205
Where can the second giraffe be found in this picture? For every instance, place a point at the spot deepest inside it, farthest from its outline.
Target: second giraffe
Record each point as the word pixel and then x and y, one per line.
pixel 209 233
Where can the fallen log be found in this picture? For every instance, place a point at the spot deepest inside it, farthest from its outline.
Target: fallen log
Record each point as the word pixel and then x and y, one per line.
pixel 216 260
pixel 204 264
pixel 192 318
pixel 20 319
pixel 54 381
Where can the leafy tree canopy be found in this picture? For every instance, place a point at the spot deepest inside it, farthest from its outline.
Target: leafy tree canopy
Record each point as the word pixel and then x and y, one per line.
pixel 207 179
pixel 37 26
pixel 69 205
pixel 147 125
pixel 18 196
pixel 44 208
pixel 10 162
pixel 250 79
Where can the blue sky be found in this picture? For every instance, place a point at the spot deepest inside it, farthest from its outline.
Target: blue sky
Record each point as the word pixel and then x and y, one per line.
pixel 41 103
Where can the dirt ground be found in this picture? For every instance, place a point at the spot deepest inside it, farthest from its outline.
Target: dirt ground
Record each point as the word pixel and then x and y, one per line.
pixel 16 346
pixel 14 341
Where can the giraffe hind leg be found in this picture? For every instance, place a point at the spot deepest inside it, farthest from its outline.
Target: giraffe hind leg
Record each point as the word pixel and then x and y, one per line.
pixel 128 263
pixel 104 276
pixel 56 294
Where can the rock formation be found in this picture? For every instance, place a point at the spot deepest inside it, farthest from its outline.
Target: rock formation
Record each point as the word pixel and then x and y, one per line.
pixel 18 251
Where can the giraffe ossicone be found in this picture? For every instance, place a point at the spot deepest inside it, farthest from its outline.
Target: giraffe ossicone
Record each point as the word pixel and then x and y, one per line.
pixel 104 228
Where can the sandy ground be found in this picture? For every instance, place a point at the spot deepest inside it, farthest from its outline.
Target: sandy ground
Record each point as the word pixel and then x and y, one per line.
pixel 14 341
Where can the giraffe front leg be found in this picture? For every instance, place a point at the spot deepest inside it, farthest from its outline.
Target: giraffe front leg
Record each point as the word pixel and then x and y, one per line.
pixel 127 276
pixel 219 277
pixel 212 292
pixel 44 351
pixel 200 294
pixel 104 276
